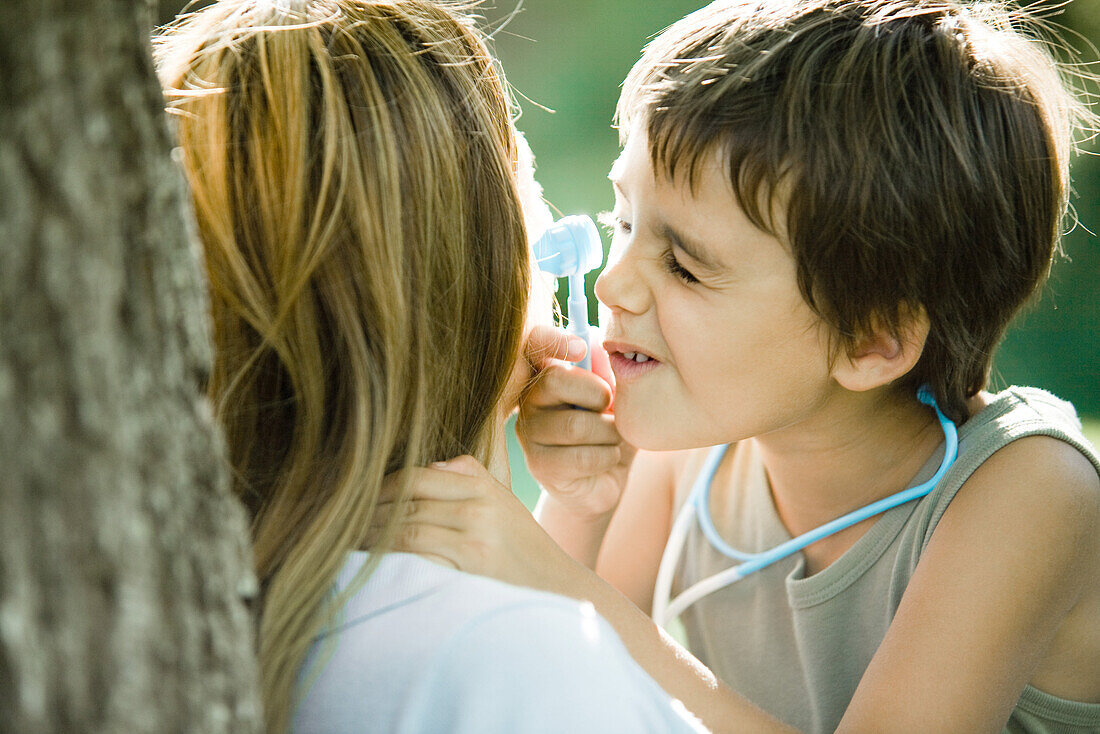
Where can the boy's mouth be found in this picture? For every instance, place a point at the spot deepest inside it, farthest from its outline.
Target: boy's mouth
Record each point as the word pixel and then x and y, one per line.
pixel 627 362
pixel 636 356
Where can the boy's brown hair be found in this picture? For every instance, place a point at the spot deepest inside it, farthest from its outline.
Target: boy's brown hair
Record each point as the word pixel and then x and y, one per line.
pixel 919 149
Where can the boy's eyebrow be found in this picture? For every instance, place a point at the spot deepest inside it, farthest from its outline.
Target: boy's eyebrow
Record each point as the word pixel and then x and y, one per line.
pixel 695 251
pixel 665 231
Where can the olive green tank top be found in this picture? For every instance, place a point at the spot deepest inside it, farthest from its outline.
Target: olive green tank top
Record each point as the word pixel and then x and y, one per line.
pixel 797 646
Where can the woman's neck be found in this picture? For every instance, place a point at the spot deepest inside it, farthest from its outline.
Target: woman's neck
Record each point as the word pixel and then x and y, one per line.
pixel 498 454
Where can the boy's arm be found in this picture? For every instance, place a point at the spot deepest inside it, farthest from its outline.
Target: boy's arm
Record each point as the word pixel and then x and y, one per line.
pixel 1008 564
pixel 636 538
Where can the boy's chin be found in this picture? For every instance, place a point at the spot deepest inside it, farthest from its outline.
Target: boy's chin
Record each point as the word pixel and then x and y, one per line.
pixel 650 430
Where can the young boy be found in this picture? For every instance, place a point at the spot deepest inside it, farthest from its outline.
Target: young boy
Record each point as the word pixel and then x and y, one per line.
pixel 821 207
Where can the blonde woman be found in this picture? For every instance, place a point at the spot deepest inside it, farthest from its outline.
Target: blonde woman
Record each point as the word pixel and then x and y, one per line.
pixel 353 170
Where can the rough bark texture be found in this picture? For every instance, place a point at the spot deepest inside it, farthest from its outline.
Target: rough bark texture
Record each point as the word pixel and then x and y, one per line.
pixel 123 557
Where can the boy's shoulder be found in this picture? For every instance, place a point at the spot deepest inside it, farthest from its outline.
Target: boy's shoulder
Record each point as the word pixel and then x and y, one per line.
pixel 1021 523
pixel 1042 472
pixel 1024 455
pixel 1030 431
pixel 1009 541
pixel 1018 411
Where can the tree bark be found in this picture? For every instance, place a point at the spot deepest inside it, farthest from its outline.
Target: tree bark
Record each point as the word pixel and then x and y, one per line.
pixel 124 562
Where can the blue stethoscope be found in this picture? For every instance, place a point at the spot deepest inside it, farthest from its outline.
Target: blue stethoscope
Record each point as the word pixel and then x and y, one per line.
pixel 665 608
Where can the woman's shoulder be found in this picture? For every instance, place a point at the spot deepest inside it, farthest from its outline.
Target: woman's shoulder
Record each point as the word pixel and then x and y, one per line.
pixel 462 652
pixel 404 588
pixel 541 663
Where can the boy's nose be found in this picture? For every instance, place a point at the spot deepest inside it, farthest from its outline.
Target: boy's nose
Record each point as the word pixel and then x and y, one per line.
pixel 620 287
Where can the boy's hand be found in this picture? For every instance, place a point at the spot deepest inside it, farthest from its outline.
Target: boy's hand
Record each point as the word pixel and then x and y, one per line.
pixel 567 430
pixel 460 515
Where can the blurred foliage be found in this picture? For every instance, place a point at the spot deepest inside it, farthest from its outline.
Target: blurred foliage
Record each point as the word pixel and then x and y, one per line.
pixel 566 59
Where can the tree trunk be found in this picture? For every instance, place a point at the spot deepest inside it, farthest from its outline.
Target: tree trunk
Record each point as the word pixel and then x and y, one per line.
pixel 124 563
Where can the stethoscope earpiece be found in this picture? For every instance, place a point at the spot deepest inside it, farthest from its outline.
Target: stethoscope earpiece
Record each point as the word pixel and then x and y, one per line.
pixel 569 248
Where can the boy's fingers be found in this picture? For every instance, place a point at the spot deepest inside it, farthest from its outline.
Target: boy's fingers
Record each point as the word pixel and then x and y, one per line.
pixel 564 384
pixel 383 517
pixel 464 464
pixel 465 515
pixel 581 462
pixel 547 343
pixel 431 540
pixel 437 483
pixel 568 427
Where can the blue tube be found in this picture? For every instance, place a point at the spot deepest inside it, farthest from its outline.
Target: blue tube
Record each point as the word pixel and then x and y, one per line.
pixel 577 310
pixel 700 497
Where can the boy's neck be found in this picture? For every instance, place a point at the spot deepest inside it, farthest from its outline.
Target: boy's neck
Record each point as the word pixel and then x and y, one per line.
pixel 858 448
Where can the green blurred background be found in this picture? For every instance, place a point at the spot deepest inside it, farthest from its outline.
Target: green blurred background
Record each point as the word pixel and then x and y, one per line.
pixel 566 59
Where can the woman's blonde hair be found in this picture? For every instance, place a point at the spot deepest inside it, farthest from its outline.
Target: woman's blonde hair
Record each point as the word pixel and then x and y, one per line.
pixel 352 170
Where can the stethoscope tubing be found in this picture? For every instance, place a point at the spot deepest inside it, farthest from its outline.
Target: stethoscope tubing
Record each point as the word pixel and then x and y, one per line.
pixel 697 506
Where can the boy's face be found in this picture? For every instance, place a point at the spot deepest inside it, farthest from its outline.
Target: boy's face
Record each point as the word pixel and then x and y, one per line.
pixel 714 303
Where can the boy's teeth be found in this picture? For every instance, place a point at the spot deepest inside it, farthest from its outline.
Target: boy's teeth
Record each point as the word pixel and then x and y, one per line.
pixel 641 358
pixel 629 355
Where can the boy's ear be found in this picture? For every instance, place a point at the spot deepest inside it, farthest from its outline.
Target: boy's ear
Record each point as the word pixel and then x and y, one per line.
pixel 880 357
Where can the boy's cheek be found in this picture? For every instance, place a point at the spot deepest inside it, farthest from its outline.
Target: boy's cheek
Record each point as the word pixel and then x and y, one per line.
pixel 603 317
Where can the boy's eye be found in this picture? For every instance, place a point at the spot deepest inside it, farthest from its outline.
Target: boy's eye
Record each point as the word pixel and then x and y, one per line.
pixel 673 266
pixel 614 223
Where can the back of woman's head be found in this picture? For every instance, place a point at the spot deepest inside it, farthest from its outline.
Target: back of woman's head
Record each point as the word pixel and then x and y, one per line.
pixel 352 170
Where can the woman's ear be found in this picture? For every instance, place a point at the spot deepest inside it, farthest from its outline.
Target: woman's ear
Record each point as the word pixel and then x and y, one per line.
pixel 881 356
